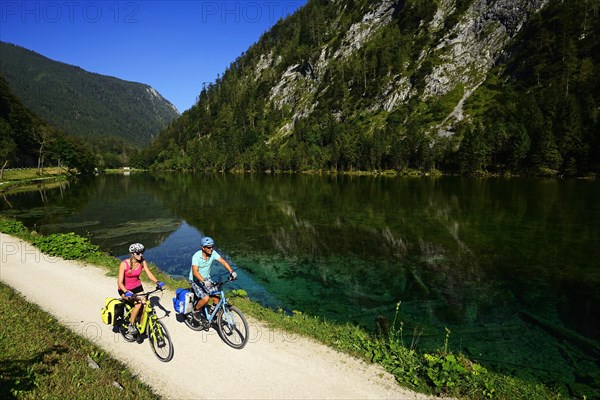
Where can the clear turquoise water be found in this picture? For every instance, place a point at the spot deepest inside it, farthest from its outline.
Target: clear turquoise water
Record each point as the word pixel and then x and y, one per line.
pixel 510 266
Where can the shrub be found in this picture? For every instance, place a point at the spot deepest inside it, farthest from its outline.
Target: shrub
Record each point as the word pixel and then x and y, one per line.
pixel 66 245
pixel 12 226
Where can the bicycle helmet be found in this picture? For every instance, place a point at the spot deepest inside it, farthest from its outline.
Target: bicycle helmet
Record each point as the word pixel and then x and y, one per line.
pixel 207 241
pixel 136 248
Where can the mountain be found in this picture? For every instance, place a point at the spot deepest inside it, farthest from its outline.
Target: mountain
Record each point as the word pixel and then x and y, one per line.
pixel 82 103
pixel 469 86
pixel 28 141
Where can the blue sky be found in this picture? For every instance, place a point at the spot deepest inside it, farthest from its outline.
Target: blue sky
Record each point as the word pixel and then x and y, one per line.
pixel 174 46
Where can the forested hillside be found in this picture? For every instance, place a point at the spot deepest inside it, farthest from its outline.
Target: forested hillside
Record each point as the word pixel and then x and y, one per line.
pixel 27 141
pixel 470 86
pixel 99 108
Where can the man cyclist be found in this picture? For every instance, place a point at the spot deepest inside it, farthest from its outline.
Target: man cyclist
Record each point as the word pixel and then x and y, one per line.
pixel 200 273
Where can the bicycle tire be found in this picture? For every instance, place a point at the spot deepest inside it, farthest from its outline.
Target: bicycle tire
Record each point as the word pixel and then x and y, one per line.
pixel 124 324
pixel 233 327
pixel 194 324
pixel 123 330
pixel 160 341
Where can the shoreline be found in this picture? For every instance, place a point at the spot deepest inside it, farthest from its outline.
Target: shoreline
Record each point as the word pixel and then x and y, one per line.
pixel 15 179
pixel 409 369
pixel 270 358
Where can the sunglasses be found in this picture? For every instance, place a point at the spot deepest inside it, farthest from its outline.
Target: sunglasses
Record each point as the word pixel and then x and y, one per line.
pixel 208 247
pixel 138 253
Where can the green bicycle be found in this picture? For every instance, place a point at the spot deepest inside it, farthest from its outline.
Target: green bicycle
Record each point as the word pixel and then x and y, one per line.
pixel 148 324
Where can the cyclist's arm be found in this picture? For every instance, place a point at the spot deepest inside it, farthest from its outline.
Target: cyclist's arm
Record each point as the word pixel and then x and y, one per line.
pixel 149 273
pixel 225 264
pixel 121 278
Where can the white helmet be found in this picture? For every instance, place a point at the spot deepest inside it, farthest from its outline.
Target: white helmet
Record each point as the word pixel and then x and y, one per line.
pixel 136 248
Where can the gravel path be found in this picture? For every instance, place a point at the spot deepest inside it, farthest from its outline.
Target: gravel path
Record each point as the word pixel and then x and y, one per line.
pixel 273 365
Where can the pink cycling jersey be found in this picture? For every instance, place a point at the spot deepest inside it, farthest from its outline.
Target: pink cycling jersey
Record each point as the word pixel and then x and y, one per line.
pixel 132 280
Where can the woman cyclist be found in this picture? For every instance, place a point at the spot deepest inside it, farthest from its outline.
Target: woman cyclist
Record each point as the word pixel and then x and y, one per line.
pixel 129 280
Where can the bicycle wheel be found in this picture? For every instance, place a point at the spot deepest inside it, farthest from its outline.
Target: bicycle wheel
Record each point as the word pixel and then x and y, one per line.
pixel 160 341
pixel 232 327
pixel 124 331
pixel 194 324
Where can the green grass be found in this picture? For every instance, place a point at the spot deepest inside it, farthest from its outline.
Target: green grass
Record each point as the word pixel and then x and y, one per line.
pixel 41 359
pixel 441 372
pixel 19 180
pixel 31 173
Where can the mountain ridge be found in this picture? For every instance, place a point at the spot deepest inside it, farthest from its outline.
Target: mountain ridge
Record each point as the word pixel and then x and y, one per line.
pixel 82 103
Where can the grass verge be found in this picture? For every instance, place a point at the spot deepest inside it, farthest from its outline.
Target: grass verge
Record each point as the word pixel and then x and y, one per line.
pixel 441 372
pixel 41 359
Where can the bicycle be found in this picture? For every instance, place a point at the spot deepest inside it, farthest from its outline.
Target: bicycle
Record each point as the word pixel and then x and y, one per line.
pixel 149 324
pixel 231 323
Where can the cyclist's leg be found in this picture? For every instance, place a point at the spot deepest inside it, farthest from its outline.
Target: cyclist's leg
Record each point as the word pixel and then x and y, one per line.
pixel 128 300
pixel 136 304
pixel 139 304
pixel 215 299
pixel 135 311
pixel 200 292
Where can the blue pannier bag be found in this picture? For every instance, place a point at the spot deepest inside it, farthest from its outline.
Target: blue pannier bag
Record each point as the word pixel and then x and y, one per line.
pixel 183 302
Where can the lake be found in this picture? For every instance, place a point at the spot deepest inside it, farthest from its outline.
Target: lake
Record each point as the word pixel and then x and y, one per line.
pixel 510 266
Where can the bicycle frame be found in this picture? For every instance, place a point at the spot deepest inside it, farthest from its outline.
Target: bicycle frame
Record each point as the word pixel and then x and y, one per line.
pixel 221 304
pixel 146 317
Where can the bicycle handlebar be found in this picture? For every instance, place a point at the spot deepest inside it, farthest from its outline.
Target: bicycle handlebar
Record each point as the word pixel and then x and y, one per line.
pixel 221 275
pixel 144 294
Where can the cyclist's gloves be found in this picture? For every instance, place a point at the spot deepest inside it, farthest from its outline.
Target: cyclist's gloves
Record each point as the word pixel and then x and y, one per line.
pixel 233 275
pixel 160 285
pixel 128 294
pixel 208 283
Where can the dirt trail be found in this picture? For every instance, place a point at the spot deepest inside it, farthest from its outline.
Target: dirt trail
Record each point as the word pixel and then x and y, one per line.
pixel 273 365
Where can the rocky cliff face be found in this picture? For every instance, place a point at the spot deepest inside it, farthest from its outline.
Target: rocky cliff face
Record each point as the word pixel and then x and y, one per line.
pixel 474 45
pixel 456 57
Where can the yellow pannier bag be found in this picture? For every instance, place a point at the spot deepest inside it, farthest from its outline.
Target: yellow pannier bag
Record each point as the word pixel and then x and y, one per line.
pixel 112 311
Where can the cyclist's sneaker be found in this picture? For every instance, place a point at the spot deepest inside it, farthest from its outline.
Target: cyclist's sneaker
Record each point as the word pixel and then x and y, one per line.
pixel 132 329
pixel 210 308
pixel 197 315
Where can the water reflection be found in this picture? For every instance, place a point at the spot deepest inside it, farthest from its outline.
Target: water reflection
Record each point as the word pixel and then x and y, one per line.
pixel 505 264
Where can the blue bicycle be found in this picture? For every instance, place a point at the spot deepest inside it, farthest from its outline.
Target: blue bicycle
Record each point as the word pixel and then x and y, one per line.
pixel 231 323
